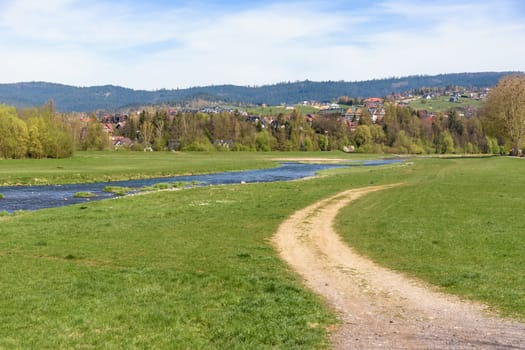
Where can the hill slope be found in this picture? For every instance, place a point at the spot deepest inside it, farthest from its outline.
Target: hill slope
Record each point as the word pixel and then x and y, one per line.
pixel 70 98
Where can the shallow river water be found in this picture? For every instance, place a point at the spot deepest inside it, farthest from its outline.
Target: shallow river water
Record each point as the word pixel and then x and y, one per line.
pixel 49 196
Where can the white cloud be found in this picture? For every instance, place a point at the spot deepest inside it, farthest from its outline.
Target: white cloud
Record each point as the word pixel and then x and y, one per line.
pixel 87 43
pixel 73 22
pixel 462 38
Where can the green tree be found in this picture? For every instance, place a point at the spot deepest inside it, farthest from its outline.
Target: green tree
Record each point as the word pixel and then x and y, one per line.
pixel 407 144
pixel 504 111
pixel 279 131
pixel 362 136
pixel 403 143
pixel 446 142
pixel 492 145
pixel 301 135
pixel 35 148
pixel 14 136
pixel 53 131
pixel 264 141
pixel 391 124
pixel 160 130
pixel 366 117
pixel 94 138
pixel 474 130
pixel 324 142
pixel 378 134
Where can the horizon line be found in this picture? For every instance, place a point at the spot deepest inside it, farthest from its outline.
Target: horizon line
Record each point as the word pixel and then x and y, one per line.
pixel 262 85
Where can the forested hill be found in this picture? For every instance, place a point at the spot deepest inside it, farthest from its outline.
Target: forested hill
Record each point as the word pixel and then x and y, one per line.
pixel 109 97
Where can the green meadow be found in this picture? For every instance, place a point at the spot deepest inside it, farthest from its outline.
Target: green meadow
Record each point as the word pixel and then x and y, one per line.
pixel 195 268
pixel 456 223
pixel 112 166
pixel 192 268
pixel 442 104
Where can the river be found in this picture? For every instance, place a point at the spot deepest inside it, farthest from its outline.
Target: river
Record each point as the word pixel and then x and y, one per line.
pixel 50 196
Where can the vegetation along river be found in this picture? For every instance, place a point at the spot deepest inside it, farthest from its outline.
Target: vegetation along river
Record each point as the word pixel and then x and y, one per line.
pixel 50 196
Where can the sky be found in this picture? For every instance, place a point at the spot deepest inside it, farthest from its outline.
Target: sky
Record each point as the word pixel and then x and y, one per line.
pixel 178 44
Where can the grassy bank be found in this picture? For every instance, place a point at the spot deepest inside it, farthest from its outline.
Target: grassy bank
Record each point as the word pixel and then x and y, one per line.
pixel 108 166
pixel 111 166
pixel 457 223
pixel 167 270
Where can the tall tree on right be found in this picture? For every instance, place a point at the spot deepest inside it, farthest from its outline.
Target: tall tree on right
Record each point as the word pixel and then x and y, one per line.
pixel 504 112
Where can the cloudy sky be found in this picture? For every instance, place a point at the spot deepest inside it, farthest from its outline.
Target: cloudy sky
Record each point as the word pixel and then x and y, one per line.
pixel 175 44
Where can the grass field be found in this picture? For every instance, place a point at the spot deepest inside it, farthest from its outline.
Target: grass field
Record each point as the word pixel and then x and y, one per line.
pixel 107 166
pixel 442 104
pixel 111 166
pixel 458 223
pixel 195 268
pixel 168 270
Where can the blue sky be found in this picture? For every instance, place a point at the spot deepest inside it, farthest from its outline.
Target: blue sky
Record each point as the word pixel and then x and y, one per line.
pixel 176 44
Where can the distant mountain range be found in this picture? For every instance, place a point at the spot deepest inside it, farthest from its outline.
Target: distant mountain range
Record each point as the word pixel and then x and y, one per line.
pixel 109 97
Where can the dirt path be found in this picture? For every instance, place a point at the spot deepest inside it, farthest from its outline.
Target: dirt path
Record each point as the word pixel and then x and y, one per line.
pixel 381 309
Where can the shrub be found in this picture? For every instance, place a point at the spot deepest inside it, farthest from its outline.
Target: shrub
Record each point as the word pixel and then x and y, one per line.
pixel 117 190
pixel 83 195
pixel 200 145
pixel 237 147
pixel 162 186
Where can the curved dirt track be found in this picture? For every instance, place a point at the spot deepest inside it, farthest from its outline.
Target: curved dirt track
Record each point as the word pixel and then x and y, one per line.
pixel 381 309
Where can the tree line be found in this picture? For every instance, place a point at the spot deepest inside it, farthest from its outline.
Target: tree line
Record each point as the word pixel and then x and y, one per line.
pixel 401 131
pixel 34 133
pixel 498 129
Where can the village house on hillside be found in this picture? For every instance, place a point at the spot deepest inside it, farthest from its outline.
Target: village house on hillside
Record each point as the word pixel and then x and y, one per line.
pixel 373 102
pixel 353 113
